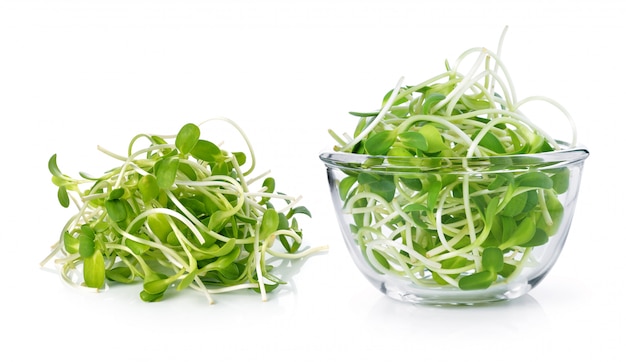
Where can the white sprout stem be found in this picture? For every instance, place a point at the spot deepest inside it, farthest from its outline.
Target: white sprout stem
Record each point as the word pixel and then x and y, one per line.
pixel 299 255
pixel 544 208
pixel 66 270
pixel 516 118
pixel 67 259
pixel 184 244
pixel 458 91
pixel 291 205
pixel 523 261
pixel 241 174
pixel 481 134
pixel 401 247
pixel 190 219
pixel 232 211
pixel 199 285
pixel 398 259
pixel 338 139
pixel 55 250
pixel 499 54
pixel 273 195
pixel 378 118
pixel 243 135
pixel 507 98
pixel 170 254
pixel 498 62
pixel 232 288
pixel 507 88
pixel 258 177
pixel 129 159
pixel 448 246
pixel 257 263
pixel 69 225
pixel 556 104
pixel 447 272
pixel 384 220
pixel 349 207
pixel 125 248
pixel 438 216
pixel 408 239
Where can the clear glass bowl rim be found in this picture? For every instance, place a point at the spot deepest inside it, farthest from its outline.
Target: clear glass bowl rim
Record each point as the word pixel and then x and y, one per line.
pixel 563 157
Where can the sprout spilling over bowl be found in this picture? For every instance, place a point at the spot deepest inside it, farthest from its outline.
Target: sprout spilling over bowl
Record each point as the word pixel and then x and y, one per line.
pixel 449 194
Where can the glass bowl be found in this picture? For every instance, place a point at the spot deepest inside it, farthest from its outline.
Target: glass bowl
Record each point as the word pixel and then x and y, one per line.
pixel 455 230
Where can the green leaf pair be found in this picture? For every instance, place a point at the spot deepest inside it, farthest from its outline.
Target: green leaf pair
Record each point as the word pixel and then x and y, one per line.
pixel 493 263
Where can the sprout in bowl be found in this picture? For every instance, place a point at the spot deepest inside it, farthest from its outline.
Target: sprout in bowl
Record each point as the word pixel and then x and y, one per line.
pixel 455 230
pixel 449 194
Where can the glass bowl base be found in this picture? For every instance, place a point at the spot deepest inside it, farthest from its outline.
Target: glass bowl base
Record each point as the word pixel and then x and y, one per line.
pixel 448 296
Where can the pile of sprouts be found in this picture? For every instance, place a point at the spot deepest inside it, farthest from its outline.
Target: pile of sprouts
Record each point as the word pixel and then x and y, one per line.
pixel 181 212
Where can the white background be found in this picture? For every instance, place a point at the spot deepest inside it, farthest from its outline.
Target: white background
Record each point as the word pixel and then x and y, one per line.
pixel 77 74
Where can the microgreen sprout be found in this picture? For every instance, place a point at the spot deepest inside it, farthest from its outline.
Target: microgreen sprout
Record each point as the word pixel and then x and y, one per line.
pixel 178 213
pixel 464 229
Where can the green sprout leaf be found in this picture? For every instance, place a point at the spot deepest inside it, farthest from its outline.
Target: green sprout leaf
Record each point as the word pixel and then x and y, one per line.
pixel 120 275
pixel 492 142
pixel 269 223
pixel 539 238
pixel 240 157
pixel 187 138
pixel 207 151
pixel 560 180
pixel 166 170
pixel 382 186
pixel 63 196
pixel 137 247
pixel 433 138
pixel 53 168
pixel 70 243
pixel 493 260
pixel 270 185
pixel 148 188
pixel 534 179
pixel 516 205
pixel 380 143
pixel 431 100
pixel 86 245
pixel 479 280
pixel 522 234
pixel 400 156
pixel 116 209
pixel 299 210
pixel 116 194
pixel 413 140
pixel 345 185
pixel 94 270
